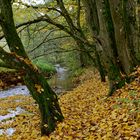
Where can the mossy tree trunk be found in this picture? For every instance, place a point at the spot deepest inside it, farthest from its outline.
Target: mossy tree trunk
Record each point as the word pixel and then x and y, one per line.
pixel 105 46
pixel 114 67
pixel 35 81
pixel 109 21
pixel 47 100
pixel 96 61
pixel 93 23
pixel 123 33
pixel 119 31
pixel 100 66
pixel 136 10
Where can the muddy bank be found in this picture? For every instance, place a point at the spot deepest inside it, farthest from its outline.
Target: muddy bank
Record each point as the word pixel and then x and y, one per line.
pixel 10 79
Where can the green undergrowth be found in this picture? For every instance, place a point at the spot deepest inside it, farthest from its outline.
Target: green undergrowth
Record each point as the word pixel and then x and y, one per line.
pixel 45 67
pixel 77 72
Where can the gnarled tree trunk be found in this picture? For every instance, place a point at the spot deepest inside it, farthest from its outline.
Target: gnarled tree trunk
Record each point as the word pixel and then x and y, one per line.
pixel 123 34
pixel 109 22
pixel 106 45
pixel 36 83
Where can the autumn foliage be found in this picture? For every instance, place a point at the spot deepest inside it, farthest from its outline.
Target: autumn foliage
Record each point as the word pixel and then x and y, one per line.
pixel 89 113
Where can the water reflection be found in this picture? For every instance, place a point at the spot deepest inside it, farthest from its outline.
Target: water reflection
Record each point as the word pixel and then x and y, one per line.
pixel 62 80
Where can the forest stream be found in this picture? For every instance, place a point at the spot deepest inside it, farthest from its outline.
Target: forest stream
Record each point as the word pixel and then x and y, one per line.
pixel 60 82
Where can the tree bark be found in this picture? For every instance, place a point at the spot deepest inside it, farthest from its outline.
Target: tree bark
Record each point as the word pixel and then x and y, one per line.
pixel 137 28
pixel 108 44
pixel 36 83
pixel 123 35
pixel 93 23
pixel 115 44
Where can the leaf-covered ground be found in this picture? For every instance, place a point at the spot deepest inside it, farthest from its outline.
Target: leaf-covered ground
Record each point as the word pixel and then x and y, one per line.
pixel 88 113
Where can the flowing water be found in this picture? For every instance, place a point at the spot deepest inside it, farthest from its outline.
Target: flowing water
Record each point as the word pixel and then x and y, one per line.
pixel 60 82
pixel 17 90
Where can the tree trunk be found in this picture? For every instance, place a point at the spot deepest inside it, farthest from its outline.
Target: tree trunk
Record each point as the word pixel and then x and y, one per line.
pixel 93 23
pixel 96 62
pixel 137 28
pixel 47 100
pixel 123 35
pixel 92 16
pixel 108 44
pixel 109 21
pixel 100 67
pixel 36 83
pixel 83 59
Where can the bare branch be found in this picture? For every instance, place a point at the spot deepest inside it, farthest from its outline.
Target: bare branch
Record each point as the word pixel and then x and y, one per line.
pixel 67 16
pixel 45 40
pixel 78 14
pixel 59 51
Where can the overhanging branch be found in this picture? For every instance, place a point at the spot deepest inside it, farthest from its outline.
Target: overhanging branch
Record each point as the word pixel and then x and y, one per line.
pixel 3 64
pixel 45 41
pixel 61 51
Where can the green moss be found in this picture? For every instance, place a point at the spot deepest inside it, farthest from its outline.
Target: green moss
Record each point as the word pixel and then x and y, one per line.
pixel 45 67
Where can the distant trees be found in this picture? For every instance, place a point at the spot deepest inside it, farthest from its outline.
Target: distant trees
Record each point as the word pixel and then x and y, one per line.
pixel 114 24
pixel 17 58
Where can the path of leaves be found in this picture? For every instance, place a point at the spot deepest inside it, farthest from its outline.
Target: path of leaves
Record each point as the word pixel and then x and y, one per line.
pixel 88 113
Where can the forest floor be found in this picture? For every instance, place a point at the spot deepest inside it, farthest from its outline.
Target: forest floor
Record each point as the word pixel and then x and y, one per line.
pixel 89 113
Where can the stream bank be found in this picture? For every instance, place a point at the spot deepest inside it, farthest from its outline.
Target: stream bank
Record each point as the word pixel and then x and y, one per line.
pixel 60 82
pixel 14 85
